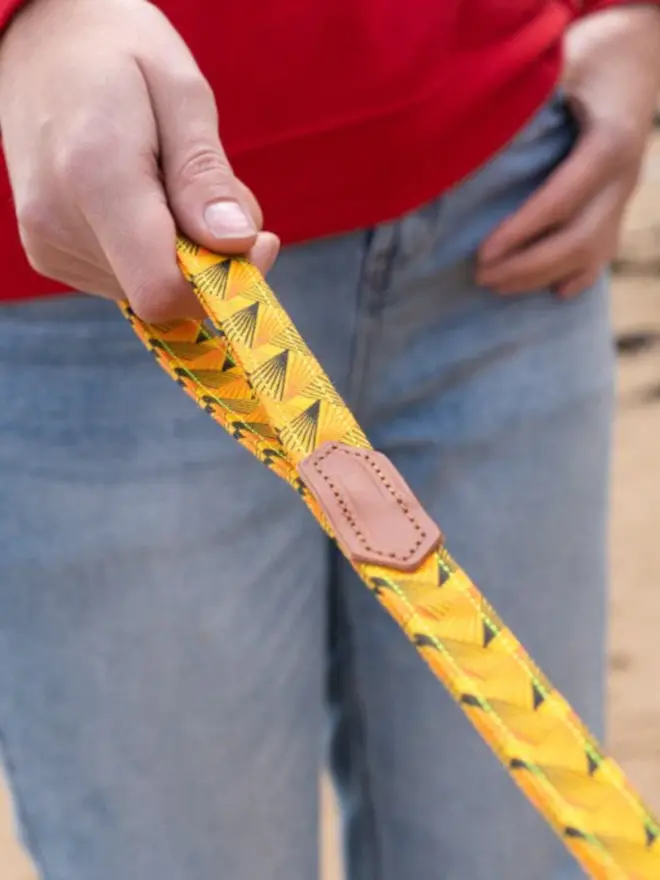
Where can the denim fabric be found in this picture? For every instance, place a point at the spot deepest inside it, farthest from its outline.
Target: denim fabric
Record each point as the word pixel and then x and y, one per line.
pixel 180 647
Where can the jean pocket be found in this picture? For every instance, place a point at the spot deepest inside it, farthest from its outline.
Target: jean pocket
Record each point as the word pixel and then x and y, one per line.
pixel 509 178
pixel 445 235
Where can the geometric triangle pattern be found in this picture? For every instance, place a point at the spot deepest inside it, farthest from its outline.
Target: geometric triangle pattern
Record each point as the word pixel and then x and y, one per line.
pixel 257 378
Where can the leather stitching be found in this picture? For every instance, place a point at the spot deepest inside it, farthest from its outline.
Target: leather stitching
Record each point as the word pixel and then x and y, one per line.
pixel 364 455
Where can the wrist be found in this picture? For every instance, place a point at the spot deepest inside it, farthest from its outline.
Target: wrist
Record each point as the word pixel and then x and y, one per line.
pixel 619 20
pixel 611 71
pixel 629 34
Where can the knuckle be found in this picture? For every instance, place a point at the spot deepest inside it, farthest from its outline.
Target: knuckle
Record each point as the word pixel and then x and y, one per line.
pixel 202 163
pixel 35 219
pixel 36 255
pixel 195 92
pixel 38 232
pixel 158 301
pixel 81 155
pixel 37 261
pixel 146 299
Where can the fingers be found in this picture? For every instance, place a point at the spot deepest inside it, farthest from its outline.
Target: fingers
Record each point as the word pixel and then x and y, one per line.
pixel 265 251
pixel 135 237
pixel 557 256
pixel 95 217
pixel 130 156
pixel 564 259
pixel 565 234
pixel 135 224
pixel 143 258
pixel 566 191
pixel 210 205
pixel 109 173
pixel 577 284
pixel 87 277
pixel 73 272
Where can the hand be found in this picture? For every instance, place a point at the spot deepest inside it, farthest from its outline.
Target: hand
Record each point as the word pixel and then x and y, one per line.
pixel 567 232
pixel 111 140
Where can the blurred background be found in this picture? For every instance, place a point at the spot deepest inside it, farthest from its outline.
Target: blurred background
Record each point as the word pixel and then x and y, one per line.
pixel 634 660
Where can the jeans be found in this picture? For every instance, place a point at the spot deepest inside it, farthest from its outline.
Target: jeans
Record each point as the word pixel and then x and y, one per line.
pixel 180 647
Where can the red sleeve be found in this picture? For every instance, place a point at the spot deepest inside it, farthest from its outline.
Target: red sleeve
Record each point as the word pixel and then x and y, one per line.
pixel 586 7
pixel 7 10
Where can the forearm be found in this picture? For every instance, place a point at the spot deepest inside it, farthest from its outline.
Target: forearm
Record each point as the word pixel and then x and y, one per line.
pixel 621 42
pixel 587 7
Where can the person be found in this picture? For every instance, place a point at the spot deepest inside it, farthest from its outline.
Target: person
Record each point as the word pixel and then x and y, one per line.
pixel 179 645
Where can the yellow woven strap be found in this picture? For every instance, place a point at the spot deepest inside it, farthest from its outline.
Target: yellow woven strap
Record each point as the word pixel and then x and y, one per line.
pixel 259 380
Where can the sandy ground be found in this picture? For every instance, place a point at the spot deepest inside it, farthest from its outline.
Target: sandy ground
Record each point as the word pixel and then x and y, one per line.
pixel 634 714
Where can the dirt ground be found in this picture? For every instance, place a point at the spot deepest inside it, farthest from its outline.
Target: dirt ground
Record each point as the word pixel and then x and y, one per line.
pixel 634 733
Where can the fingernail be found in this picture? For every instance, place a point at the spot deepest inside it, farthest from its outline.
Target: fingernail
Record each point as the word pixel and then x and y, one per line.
pixel 227 219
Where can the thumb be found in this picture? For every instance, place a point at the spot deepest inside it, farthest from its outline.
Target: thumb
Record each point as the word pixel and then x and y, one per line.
pixel 209 204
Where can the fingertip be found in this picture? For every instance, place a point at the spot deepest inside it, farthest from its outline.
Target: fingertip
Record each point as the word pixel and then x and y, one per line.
pixel 265 252
pixel 571 290
pixel 230 227
pixel 489 253
pixel 504 241
pixel 486 276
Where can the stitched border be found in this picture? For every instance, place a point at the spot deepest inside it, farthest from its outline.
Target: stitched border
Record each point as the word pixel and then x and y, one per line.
pixel 365 455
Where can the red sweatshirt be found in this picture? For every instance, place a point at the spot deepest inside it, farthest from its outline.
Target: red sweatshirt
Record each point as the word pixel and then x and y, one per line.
pixel 352 112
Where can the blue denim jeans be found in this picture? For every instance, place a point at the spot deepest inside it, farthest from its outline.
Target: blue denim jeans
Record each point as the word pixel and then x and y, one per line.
pixel 180 647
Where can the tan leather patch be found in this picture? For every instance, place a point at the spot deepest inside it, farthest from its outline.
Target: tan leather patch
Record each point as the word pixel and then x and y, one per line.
pixel 372 510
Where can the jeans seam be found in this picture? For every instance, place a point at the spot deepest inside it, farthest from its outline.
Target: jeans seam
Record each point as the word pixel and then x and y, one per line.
pixel 360 749
pixel 359 346
pixel 373 280
pixel 354 715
